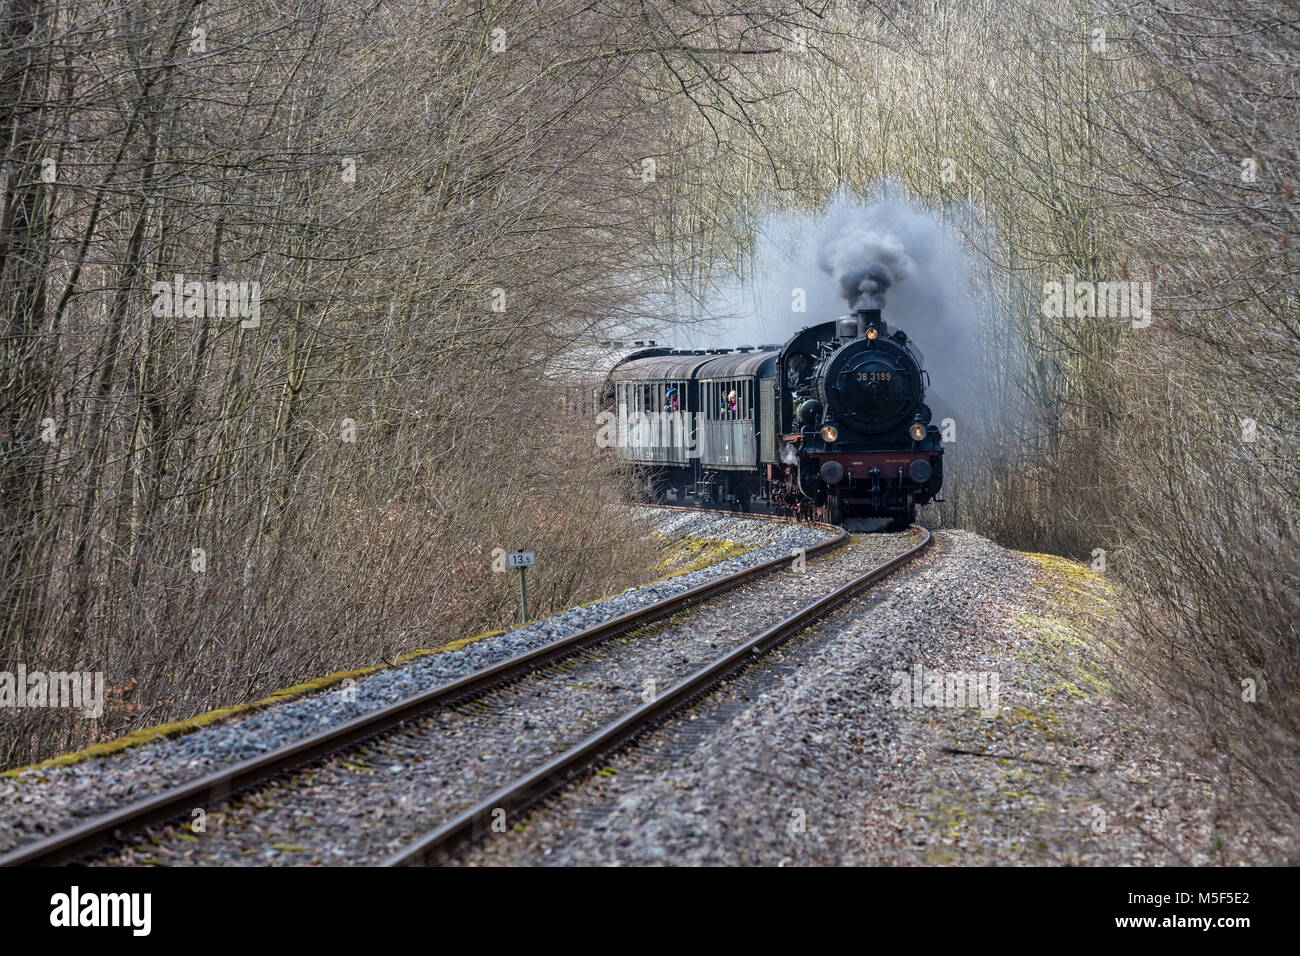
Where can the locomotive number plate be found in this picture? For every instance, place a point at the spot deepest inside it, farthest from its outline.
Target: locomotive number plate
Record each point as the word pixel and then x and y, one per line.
pixel 875 376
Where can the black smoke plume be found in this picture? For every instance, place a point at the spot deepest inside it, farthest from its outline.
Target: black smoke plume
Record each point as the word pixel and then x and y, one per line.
pixel 865 288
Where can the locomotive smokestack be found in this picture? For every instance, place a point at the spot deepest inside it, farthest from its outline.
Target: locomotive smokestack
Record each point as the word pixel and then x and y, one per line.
pixel 865 318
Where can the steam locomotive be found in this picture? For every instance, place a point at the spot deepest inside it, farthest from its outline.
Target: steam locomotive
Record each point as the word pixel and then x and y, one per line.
pixel 831 426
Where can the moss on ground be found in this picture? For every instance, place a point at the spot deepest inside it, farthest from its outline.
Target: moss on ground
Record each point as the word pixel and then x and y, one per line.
pixel 687 555
pixel 1077 605
pixel 696 554
pixel 180 728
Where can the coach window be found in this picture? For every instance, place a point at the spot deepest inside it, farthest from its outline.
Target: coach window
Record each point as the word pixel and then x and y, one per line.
pixel 728 400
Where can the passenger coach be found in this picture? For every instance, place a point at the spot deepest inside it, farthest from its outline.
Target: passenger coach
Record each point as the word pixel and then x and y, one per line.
pixel 704 419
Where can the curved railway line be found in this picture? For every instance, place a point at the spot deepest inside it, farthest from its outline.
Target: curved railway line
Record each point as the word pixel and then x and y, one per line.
pixel 506 803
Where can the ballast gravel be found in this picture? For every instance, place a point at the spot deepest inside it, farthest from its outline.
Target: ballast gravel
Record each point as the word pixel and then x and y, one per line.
pixel 361 806
pixel 822 754
pixel 43 801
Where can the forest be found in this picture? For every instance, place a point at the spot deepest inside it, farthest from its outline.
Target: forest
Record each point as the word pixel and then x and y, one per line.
pixel 293 290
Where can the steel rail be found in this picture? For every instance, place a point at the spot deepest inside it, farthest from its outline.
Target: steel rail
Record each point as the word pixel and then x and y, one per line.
pixel 216 787
pixel 511 801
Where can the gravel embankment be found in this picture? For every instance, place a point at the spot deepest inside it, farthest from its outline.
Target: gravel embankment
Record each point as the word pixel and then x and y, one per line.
pixel 806 760
pixel 43 801
pixel 360 807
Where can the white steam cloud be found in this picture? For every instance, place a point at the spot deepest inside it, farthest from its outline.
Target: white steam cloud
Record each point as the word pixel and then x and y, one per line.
pixel 812 267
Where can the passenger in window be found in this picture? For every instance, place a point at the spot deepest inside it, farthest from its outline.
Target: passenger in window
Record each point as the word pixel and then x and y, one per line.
pixel 670 399
pixel 732 404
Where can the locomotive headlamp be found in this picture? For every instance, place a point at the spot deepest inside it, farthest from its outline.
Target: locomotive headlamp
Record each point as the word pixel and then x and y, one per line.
pixel 873 333
pixel 917 432
pixel 830 433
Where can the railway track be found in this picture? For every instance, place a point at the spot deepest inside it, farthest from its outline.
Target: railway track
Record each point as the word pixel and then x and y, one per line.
pixel 505 803
pixel 509 803
pixel 216 787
